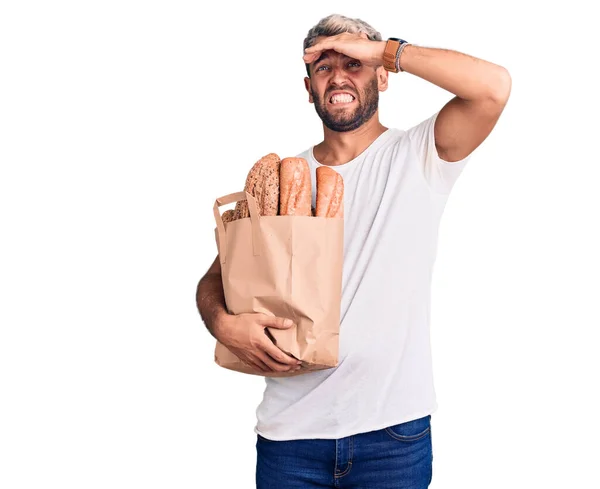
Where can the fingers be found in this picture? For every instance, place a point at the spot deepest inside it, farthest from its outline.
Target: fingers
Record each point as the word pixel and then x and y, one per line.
pixel 336 43
pixel 276 354
pixel 272 364
pixel 256 363
pixel 265 354
pixel 275 322
pixel 313 52
pixel 309 57
pixel 269 346
pixel 329 42
pixel 262 366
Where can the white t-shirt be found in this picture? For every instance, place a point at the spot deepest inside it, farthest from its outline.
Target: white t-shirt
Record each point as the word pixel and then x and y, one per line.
pixel 394 196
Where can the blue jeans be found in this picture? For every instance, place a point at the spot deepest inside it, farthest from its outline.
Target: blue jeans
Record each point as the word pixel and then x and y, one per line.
pixel 396 457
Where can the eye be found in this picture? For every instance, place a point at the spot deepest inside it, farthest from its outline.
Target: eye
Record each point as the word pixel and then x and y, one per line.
pixel 350 63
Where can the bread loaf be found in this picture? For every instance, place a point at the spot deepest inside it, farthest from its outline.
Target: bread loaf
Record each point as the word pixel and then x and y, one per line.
pixel 330 193
pixel 228 215
pixel 263 183
pixel 295 190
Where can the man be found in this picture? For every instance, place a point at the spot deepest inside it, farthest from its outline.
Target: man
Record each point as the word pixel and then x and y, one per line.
pixel 366 422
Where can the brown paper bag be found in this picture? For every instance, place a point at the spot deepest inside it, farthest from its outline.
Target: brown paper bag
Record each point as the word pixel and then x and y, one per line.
pixel 284 266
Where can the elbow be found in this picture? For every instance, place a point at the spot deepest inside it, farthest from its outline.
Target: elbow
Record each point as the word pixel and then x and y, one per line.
pixel 502 87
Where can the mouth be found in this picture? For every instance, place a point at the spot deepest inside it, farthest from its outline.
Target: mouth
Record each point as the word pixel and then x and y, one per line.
pixel 341 100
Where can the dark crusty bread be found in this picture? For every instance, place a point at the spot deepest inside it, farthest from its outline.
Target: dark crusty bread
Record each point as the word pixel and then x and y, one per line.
pixel 263 183
pixel 295 192
pixel 228 215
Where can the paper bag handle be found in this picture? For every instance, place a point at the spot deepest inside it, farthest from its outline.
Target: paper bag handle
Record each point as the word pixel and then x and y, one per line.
pixel 254 221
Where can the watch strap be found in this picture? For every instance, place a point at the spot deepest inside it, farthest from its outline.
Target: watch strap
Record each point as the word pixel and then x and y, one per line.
pixel 391 54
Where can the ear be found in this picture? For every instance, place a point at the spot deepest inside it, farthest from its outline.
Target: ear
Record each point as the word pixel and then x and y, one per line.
pixel 382 78
pixel 307 86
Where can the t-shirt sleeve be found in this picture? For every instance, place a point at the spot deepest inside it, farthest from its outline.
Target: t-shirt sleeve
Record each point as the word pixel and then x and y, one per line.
pixel 440 174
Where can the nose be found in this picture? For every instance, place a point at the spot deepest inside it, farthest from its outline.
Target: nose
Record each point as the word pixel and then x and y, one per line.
pixel 338 75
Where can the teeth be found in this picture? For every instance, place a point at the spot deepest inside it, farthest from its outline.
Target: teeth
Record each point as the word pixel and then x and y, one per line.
pixel 343 98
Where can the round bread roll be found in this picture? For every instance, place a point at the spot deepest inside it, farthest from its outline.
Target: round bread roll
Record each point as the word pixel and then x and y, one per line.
pixel 263 183
pixel 228 215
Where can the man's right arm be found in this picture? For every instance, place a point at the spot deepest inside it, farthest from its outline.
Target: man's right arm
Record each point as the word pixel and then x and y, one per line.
pixel 210 299
pixel 243 334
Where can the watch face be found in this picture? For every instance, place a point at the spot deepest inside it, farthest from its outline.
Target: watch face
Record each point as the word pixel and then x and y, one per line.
pixel 397 39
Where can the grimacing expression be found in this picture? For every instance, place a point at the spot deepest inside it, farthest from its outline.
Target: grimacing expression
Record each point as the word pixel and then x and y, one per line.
pixel 344 117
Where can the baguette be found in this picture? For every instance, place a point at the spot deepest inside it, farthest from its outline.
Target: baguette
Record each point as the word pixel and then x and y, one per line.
pixel 330 193
pixel 295 188
pixel 263 183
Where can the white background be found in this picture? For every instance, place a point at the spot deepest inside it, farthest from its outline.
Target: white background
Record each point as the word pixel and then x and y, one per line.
pixel 122 121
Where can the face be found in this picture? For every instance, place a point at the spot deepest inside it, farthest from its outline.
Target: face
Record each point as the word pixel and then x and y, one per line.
pixel 334 71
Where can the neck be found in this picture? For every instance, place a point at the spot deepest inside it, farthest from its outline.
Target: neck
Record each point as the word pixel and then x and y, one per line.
pixel 338 148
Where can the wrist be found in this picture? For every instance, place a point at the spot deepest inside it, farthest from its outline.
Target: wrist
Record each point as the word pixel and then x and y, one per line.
pixel 222 325
pixel 379 51
pixel 392 52
pixel 400 55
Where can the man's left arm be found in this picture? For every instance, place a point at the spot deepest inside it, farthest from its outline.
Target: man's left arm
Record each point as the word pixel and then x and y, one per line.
pixel 481 88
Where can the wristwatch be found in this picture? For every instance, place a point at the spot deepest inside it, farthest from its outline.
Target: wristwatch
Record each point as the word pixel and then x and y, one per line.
pixel 392 51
